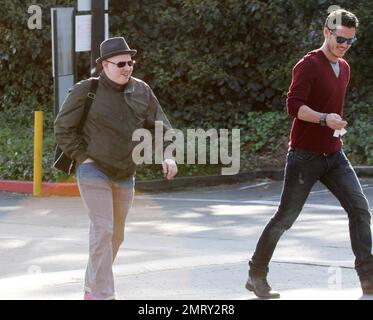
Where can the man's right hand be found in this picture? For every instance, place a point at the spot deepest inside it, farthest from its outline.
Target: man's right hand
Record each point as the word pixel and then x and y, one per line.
pixel 335 121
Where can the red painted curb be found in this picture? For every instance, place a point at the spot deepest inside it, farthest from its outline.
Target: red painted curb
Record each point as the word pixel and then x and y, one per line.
pixel 68 189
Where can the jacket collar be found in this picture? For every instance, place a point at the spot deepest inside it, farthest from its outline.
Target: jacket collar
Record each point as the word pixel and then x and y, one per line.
pixel 127 88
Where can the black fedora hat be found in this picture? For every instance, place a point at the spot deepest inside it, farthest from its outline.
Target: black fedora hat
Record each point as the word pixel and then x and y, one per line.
pixel 114 46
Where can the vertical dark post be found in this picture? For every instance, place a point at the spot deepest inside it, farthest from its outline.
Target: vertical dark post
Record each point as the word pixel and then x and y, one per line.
pixel 98 33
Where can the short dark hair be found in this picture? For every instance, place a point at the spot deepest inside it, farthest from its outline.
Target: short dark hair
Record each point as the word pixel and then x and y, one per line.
pixel 342 17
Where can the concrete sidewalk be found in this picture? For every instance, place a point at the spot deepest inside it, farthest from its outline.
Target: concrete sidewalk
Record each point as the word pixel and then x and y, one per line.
pixel 179 245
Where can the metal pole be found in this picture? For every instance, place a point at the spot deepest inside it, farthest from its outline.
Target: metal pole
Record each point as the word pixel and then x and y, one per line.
pixel 63 53
pixel 38 153
pixel 98 33
pixel 55 61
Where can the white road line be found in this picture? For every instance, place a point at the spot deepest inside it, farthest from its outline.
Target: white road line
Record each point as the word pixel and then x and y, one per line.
pixel 364 186
pixel 256 185
pixel 320 191
pixel 273 202
pixel 189 199
pixel 310 206
pixel 263 202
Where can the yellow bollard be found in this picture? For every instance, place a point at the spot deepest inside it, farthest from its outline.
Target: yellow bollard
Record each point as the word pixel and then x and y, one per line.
pixel 38 152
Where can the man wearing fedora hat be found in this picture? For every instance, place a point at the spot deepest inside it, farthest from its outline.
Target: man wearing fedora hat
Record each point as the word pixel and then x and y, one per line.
pixel 103 154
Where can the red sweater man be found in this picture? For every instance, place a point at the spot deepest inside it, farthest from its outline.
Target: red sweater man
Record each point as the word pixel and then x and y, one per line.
pixel 315 101
pixel 316 85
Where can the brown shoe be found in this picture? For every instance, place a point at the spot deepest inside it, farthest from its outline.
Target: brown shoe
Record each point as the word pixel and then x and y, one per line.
pixel 261 288
pixel 367 286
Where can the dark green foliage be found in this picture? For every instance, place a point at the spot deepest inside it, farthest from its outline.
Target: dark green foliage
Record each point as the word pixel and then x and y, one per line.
pixel 211 64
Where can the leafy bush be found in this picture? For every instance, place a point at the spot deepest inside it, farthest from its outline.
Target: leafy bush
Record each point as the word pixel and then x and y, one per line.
pixel 264 129
pixel 207 61
pixel 359 141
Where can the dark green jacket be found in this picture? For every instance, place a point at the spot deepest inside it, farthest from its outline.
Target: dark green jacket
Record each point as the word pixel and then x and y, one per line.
pixel 107 134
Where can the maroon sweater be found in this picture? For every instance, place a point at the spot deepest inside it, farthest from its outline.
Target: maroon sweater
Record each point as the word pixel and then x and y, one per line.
pixel 315 85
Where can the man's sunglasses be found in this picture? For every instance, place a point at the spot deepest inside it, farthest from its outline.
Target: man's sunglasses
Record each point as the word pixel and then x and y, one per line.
pixel 341 40
pixel 122 64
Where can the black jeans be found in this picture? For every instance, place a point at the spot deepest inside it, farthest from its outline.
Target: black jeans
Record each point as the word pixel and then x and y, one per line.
pixel 303 169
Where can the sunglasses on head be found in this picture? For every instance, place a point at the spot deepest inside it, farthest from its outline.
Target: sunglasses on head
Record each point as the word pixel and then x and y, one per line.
pixel 122 64
pixel 341 40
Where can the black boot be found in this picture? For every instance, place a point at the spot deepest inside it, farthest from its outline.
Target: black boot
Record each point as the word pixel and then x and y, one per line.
pixel 257 282
pixel 260 287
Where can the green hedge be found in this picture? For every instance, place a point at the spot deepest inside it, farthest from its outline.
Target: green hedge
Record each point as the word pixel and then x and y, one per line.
pixel 264 137
pixel 209 62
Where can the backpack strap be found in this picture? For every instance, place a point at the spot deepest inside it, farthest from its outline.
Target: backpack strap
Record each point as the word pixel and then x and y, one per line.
pixel 91 95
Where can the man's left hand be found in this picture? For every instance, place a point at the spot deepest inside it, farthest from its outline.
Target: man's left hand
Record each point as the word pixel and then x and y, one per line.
pixel 169 168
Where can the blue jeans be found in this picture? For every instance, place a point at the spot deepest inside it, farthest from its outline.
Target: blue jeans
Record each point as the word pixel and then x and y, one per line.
pixel 303 169
pixel 108 203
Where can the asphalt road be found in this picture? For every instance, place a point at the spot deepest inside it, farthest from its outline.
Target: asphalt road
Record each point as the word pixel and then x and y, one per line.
pixel 181 245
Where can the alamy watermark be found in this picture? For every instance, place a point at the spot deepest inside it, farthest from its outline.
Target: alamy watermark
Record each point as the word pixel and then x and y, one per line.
pixel 335 278
pixel 224 147
pixel 34 269
pixel 336 21
pixel 35 20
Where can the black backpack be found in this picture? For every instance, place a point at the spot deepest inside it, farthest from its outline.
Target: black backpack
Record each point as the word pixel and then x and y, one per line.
pixel 61 161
